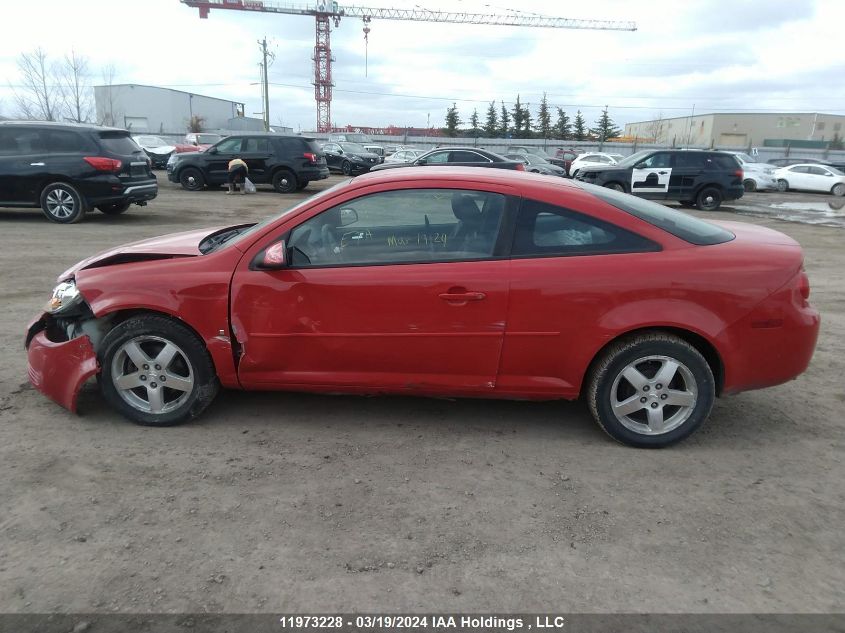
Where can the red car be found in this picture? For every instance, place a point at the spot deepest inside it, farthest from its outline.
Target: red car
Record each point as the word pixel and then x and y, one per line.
pixel 442 282
pixel 567 156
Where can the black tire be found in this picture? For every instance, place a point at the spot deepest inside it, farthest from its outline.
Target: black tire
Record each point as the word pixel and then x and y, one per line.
pixel 749 185
pixel 302 184
pixel 574 173
pixel 607 384
pixel 62 203
pixel 783 186
pixel 616 186
pixel 284 181
pixel 346 168
pixel 190 365
pixel 114 209
pixel 191 179
pixel 838 189
pixel 708 199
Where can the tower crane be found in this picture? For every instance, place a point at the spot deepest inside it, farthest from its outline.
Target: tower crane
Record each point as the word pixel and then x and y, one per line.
pixel 326 13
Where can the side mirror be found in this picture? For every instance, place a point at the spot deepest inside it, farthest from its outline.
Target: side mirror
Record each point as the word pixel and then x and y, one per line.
pixel 274 257
pixel 340 151
pixel 212 150
pixel 348 216
pixel 420 161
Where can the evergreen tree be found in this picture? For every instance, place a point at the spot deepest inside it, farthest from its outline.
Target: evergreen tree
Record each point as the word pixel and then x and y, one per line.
pixel 453 120
pixel 473 121
pixel 492 124
pixel 526 121
pixel 518 116
pixel 605 128
pixel 579 127
pixel 504 121
pixel 544 119
pixel 563 130
pixel 836 143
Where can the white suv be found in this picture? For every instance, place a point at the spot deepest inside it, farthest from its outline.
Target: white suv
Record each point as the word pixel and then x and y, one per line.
pixel 593 159
pixel 757 176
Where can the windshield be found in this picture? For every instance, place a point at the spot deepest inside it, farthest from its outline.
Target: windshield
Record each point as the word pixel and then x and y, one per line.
pixel 244 231
pixel 208 139
pixel 152 141
pixel 357 138
pixel 837 171
pixel 635 158
pixel 354 148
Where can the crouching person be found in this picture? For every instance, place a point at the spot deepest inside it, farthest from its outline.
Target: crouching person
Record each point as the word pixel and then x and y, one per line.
pixel 237 174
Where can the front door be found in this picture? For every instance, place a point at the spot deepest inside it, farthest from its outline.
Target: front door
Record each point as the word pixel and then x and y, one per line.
pixel 398 290
pixel 333 157
pixel 218 160
pixel 650 177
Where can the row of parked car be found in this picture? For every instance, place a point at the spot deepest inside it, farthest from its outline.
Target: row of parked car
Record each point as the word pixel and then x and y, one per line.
pixel 69 169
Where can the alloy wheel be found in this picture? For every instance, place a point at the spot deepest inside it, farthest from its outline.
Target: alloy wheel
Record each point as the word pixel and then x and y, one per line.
pixel 60 203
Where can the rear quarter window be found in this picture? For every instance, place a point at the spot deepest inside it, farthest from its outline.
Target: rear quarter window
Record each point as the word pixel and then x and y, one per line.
pixel 677 223
pixel 118 143
pixel 724 162
pixel 68 142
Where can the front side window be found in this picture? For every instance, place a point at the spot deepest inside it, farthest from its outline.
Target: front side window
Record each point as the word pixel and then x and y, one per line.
pixel 230 145
pixel 818 171
pixel 396 227
pixel 544 229
pixel 437 158
pixel 657 161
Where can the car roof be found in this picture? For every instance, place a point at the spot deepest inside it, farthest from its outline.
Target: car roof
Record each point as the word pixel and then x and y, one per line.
pixel 510 177
pixel 61 125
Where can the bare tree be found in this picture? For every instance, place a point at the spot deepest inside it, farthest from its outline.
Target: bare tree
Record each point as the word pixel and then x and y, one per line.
pixel 74 79
pixel 656 128
pixel 196 123
pixel 108 116
pixel 38 97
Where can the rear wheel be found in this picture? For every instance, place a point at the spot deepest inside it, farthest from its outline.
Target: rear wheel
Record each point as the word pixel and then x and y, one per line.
pixel 191 179
pixel 651 391
pixel 156 372
pixel 114 209
pixel 61 203
pixel 284 181
pixel 709 199
pixel 838 190
pixel 749 185
pixel 783 186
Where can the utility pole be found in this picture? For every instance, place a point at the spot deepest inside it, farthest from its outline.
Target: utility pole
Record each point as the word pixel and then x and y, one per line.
pixel 263 44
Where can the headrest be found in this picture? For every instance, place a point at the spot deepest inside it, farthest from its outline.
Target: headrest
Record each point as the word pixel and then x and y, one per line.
pixel 465 209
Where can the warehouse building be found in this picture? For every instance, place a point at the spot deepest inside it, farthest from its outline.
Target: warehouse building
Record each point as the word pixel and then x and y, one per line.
pixel 796 129
pixel 166 111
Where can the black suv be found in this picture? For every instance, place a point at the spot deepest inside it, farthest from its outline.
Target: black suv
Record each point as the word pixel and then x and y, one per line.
pixel 69 168
pixel 287 162
pixel 694 177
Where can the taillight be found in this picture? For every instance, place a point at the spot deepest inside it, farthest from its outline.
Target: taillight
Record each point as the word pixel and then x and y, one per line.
pixel 520 167
pixel 804 285
pixel 312 158
pixel 101 163
pixel 738 173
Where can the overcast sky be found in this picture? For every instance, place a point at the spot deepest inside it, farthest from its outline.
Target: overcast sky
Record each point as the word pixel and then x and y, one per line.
pixel 713 55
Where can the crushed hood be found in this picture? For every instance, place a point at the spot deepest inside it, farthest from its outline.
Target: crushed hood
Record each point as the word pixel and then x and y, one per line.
pixel 184 244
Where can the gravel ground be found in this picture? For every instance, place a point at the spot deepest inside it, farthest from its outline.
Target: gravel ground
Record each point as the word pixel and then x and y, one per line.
pixel 286 502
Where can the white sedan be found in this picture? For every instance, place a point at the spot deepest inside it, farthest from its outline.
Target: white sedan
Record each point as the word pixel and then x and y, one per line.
pixel 404 156
pixel 809 177
pixel 593 159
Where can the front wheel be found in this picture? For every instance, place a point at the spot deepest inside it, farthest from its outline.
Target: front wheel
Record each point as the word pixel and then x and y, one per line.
pixel 114 209
pixel 346 168
pixel 155 371
pixel 191 179
pixel 709 199
pixel 838 190
pixel 783 186
pixel 651 391
pixel 615 186
pixel 62 203
pixel 749 186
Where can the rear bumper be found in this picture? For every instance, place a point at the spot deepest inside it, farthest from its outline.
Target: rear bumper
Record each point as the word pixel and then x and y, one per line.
pixel 123 191
pixel 59 369
pixel 318 173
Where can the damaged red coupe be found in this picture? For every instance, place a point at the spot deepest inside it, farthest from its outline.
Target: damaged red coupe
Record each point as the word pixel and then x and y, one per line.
pixel 458 282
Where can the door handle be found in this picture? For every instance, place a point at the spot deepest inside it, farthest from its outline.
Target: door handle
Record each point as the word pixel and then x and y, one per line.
pixel 36 164
pixel 662 173
pixel 463 296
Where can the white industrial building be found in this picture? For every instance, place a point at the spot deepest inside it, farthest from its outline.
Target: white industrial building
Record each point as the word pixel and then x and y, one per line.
pixel 166 111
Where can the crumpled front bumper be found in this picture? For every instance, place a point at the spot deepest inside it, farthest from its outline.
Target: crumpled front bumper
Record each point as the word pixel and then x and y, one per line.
pixel 59 369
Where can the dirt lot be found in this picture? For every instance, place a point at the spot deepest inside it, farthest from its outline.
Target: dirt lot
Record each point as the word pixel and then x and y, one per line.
pixel 279 502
